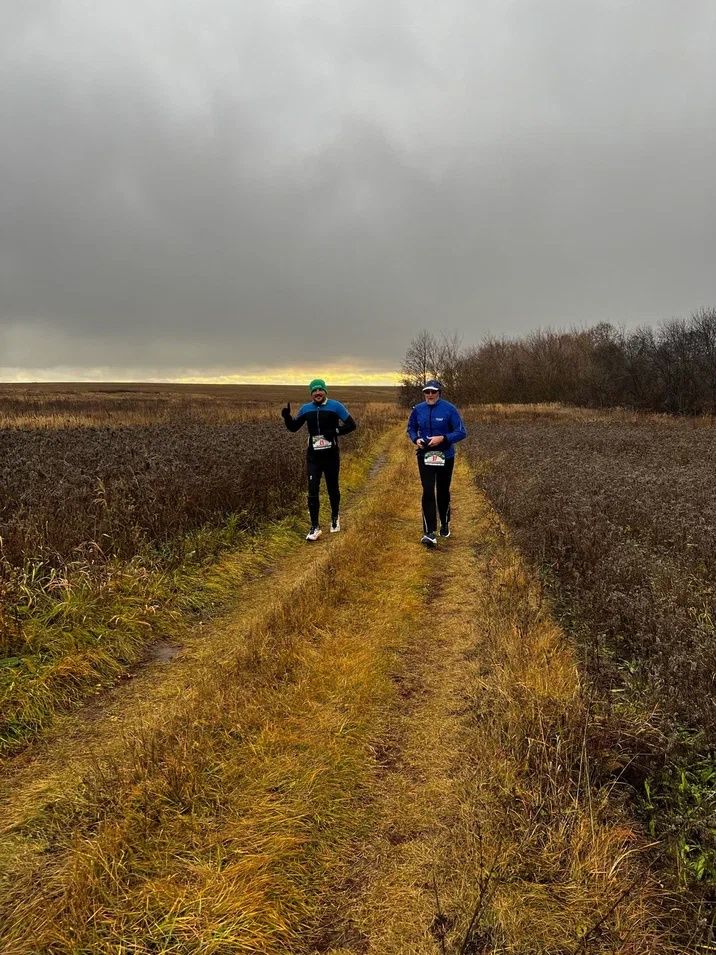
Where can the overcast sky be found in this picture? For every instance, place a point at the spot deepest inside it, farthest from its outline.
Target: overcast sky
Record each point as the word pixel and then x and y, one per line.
pixel 264 188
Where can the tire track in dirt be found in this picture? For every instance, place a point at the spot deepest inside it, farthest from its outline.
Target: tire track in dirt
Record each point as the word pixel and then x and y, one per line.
pixel 481 839
pixel 388 905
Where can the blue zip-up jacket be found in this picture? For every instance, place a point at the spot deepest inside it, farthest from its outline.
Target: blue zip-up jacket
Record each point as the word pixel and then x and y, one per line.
pixel 330 419
pixel 428 421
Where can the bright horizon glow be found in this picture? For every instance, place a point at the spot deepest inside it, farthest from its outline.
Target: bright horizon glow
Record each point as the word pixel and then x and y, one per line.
pixel 335 375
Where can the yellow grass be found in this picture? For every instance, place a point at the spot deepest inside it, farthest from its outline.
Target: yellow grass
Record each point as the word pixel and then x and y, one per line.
pixel 379 753
pixel 89 628
pixel 73 405
pixel 556 412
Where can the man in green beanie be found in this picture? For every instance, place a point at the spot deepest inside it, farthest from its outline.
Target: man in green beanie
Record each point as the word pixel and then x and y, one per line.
pixel 326 420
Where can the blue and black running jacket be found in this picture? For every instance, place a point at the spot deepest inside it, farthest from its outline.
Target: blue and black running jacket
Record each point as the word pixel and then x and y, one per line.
pixel 330 419
pixel 428 421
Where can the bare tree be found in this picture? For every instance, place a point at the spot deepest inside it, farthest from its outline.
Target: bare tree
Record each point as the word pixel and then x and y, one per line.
pixel 429 356
pixel 417 366
pixel 447 361
pixel 671 368
pixel 703 325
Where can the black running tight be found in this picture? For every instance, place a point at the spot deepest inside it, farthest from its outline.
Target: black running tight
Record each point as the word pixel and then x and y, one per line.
pixel 328 464
pixel 436 486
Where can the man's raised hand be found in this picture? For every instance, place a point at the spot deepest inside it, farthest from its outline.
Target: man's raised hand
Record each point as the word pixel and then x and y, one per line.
pixel 286 412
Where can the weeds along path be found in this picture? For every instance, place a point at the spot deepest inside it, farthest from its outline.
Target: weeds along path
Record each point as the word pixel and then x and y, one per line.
pixel 252 584
pixel 485 833
pixel 81 630
pixel 380 753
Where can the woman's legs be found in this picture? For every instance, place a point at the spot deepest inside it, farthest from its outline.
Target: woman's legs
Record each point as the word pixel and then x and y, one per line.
pixel 427 479
pixel 442 481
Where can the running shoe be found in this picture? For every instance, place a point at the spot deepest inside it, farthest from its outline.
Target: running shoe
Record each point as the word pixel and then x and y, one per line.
pixel 445 530
pixel 335 525
pixel 430 540
pixel 313 534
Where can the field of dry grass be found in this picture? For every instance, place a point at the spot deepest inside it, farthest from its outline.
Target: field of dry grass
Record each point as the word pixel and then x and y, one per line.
pixel 59 405
pixel 113 472
pixel 106 530
pixel 380 750
pixel 230 741
pixel 618 512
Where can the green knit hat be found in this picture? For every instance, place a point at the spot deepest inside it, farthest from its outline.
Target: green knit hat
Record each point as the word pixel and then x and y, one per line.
pixel 317 383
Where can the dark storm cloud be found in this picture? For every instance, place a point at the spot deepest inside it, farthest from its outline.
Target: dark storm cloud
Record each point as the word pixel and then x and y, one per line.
pixel 216 185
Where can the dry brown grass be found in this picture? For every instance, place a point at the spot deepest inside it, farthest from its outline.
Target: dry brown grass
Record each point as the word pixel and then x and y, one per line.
pixel 621 513
pixel 391 760
pixel 97 475
pixel 556 856
pixel 530 855
pixel 61 405
pixel 100 574
pixel 102 492
pixel 617 512
pixel 217 828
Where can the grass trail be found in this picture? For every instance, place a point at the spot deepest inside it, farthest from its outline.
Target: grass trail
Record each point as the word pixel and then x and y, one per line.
pixel 379 751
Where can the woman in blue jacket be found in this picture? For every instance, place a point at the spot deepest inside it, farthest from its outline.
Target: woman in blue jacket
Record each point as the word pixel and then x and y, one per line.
pixel 435 427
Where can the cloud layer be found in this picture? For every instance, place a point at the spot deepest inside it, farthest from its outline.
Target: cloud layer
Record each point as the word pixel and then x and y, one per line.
pixel 216 186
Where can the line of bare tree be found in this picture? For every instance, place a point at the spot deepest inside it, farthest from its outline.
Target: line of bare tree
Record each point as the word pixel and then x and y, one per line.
pixel 671 368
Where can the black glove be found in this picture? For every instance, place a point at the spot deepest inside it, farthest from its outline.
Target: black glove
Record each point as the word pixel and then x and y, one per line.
pixel 286 412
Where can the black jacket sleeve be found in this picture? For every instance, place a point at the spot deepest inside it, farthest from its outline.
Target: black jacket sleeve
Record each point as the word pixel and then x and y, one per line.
pixel 293 424
pixel 347 426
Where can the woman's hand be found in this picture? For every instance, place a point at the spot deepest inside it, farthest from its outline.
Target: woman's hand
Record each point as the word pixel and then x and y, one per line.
pixel 435 441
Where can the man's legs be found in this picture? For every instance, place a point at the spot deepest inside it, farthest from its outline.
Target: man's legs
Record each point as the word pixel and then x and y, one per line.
pixel 314 469
pixel 331 469
pixel 443 479
pixel 428 478
pixel 327 463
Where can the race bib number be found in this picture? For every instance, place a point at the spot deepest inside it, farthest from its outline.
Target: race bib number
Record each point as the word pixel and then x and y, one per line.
pixel 320 443
pixel 435 459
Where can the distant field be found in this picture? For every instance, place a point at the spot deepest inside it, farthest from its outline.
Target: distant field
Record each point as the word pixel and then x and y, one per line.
pixel 243 393
pixel 121 466
pixel 64 405
pixel 620 509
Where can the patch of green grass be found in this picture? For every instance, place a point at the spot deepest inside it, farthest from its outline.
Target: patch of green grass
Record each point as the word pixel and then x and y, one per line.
pixel 680 806
pixel 82 630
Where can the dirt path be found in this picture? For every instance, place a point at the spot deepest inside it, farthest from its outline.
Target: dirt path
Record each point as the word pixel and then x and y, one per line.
pixel 390 904
pixel 376 752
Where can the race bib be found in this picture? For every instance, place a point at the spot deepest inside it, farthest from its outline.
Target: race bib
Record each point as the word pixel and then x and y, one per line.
pixel 320 443
pixel 435 459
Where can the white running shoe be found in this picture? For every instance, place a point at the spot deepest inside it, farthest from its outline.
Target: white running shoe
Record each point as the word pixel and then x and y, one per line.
pixel 430 540
pixel 335 525
pixel 313 534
